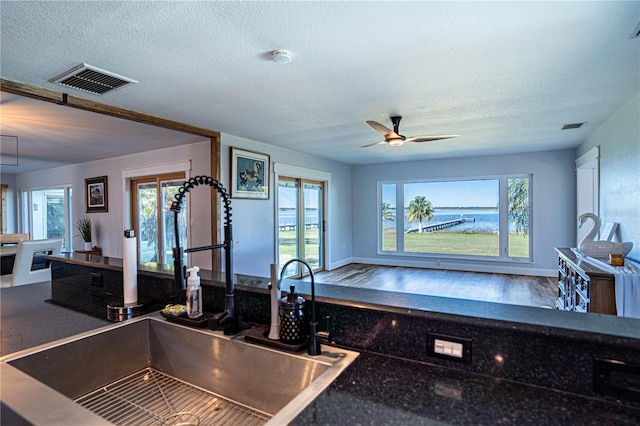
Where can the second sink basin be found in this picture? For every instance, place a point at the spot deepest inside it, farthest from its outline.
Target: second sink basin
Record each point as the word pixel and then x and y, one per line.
pixel 149 371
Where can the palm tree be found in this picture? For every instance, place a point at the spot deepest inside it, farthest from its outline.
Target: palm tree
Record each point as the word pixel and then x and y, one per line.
pixel 420 209
pixel 519 204
pixel 387 213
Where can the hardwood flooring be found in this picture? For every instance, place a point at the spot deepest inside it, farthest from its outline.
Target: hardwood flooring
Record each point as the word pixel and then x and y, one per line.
pixel 500 288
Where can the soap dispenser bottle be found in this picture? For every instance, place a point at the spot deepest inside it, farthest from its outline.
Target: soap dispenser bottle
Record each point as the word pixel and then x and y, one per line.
pixel 194 293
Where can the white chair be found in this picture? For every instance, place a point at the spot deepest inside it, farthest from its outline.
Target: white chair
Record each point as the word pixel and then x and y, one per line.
pixel 23 264
pixel 10 239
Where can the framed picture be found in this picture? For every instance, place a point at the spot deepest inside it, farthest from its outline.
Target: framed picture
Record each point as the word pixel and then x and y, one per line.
pixel 249 174
pixel 96 194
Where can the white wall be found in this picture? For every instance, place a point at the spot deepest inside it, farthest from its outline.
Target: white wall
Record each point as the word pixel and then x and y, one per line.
pixel 553 204
pixel 619 141
pixel 254 220
pixel 109 226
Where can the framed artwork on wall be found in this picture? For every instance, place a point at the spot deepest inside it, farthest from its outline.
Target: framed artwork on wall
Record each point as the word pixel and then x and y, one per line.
pixel 249 174
pixel 96 195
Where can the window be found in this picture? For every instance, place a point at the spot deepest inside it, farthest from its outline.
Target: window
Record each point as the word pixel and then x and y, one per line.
pixel 301 221
pixel 462 218
pixel 388 217
pixel 152 219
pixel 47 214
pixel 518 213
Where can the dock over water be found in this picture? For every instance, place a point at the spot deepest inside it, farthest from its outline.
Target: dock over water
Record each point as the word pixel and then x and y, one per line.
pixel 442 225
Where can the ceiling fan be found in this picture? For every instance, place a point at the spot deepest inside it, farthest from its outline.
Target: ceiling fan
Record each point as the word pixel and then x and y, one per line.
pixel 393 138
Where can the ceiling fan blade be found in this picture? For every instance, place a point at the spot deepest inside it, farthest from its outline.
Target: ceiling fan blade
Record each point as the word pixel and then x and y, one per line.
pixel 430 138
pixel 373 144
pixel 384 130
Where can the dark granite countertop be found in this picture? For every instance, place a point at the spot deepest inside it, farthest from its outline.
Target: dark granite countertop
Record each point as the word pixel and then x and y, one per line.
pixel 381 390
pixel 374 390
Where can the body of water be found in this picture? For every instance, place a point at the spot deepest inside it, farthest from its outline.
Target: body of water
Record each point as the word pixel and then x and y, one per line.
pixel 486 220
pixel 288 217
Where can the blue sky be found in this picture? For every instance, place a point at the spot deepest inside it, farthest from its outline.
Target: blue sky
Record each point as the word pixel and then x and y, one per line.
pixel 287 198
pixel 476 193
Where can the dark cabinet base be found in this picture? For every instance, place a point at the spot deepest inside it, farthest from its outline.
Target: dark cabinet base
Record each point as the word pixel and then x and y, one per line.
pixel 90 301
pixel 86 287
pixel 582 287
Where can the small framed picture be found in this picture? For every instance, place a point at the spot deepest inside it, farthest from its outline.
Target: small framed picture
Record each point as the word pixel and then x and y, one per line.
pixel 249 174
pixel 96 195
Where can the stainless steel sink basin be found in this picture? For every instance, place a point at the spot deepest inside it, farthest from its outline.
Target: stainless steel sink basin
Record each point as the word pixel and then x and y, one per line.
pixel 149 371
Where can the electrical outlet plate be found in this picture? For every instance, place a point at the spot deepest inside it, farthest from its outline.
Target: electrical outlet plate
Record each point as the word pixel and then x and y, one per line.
pixel 453 348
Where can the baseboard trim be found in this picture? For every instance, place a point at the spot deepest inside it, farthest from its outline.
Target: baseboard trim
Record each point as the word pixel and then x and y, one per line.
pixel 340 264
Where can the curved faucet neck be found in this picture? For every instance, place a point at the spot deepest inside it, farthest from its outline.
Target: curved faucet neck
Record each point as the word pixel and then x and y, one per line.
pixel 314 342
pixel 313 286
pixel 229 316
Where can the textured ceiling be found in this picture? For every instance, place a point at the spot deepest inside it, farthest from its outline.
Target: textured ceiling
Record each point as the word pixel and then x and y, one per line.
pixel 505 76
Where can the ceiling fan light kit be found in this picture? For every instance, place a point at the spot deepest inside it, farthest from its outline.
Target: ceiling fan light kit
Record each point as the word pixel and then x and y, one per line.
pixel 395 139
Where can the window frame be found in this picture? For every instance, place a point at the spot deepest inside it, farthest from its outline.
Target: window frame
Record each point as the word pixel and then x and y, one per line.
pixel 503 221
pixel 157 179
pixel 301 229
pixel 25 214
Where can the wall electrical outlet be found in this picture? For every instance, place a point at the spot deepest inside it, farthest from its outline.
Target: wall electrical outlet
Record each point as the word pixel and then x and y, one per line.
pixel 453 348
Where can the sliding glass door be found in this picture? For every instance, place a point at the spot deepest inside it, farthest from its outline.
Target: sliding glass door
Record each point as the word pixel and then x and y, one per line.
pixel 153 221
pixel 312 213
pixel 301 221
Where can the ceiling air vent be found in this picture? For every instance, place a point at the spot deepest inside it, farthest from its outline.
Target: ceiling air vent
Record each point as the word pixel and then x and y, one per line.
pixel 91 79
pixel 572 126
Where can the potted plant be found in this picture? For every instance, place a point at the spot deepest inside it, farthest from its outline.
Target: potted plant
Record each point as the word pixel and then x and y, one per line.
pixel 84 227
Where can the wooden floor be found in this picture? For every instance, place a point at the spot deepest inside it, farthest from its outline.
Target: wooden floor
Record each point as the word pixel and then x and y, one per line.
pixel 501 288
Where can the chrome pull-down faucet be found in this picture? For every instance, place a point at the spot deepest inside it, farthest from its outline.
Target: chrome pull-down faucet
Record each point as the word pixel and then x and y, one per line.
pixel 229 318
pixel 314 336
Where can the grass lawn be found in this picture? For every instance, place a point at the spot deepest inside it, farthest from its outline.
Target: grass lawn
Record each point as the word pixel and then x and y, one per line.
pixel 464 243
pixel 444 242
pixel 288 246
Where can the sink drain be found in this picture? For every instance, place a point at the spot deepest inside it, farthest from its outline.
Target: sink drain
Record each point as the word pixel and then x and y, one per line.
pixel 182 419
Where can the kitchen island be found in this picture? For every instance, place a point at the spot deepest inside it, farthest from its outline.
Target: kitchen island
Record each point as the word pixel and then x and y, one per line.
pixel 375 389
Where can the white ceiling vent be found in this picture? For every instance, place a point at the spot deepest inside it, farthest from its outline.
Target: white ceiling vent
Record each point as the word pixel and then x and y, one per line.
pixel 91 79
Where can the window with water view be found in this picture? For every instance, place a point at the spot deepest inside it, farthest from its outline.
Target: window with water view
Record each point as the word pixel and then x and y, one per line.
pixel 300 221
pixel 486 218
